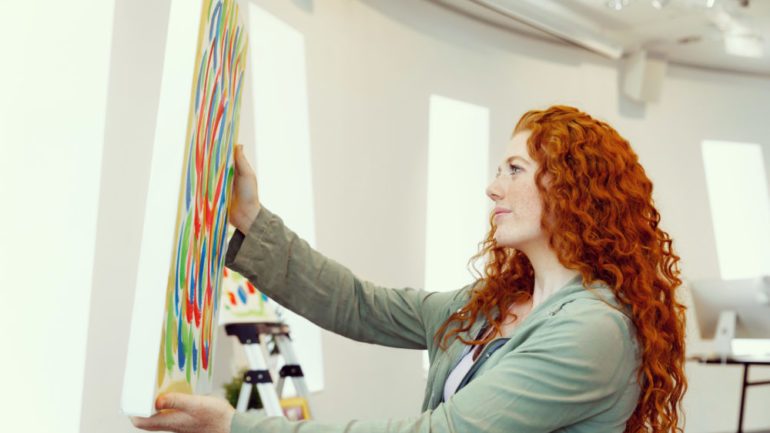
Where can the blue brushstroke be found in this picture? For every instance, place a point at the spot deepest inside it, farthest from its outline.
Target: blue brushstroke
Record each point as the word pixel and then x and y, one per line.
pixel 180 348
pixel 216 20
pixel 200 79
pixel 210 119
pixel 194 356
pixel 193 285
pixel 188 188
pixel 217 11
pixel 177 280
pixel 201 269
pixel 216 244
pixel 223 234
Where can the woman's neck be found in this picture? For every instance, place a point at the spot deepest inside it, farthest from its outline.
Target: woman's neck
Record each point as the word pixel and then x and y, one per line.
pixel 550 274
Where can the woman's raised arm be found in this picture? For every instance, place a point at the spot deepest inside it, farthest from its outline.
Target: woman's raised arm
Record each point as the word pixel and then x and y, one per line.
pixel 289 271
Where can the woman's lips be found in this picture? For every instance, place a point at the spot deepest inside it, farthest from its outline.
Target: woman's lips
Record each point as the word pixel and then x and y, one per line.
pixel 501 212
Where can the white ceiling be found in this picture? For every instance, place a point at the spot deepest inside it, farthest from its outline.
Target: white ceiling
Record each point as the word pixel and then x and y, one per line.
pixel 683 31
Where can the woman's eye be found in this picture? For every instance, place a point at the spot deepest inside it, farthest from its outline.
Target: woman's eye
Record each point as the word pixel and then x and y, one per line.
pixel 512 169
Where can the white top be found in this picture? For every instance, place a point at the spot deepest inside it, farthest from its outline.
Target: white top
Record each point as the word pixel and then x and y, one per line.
pixel 462 368
pixel 456 376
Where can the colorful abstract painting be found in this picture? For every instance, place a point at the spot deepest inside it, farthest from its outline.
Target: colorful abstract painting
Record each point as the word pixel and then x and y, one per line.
pixel 243 303
pixel 195 278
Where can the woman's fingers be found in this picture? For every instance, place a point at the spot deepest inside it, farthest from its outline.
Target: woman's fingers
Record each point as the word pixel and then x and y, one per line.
pixel 176 412
pixel 176 400
pixel 244 205
pixel 242 165
pixel 237 157
pixel 171 420
pixel 186 413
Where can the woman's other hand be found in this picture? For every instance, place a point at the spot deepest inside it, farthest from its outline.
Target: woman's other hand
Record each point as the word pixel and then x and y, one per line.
pixel 244 204
pixel 185 413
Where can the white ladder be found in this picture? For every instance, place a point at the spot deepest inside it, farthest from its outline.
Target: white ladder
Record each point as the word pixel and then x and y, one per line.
pixel 253 337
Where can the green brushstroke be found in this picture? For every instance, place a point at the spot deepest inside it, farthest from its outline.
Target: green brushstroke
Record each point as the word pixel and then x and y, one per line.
pixel 185 245
pixel 188 338
pixel 170 334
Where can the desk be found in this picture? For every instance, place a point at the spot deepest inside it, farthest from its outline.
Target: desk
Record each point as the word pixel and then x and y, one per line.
pixel 746 362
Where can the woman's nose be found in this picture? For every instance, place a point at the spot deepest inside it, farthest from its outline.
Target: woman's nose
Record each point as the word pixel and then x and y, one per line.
pixel 493 191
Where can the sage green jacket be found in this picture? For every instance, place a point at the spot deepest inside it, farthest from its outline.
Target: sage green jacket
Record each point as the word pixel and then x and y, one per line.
pixel 570 366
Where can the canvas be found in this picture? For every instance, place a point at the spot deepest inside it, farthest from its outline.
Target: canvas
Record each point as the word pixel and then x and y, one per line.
pixel 242 302
pixel 175 310
pixel 195 278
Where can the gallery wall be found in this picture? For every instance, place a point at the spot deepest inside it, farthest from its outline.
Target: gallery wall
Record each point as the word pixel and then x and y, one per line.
pixel 372 68
pixel 53 82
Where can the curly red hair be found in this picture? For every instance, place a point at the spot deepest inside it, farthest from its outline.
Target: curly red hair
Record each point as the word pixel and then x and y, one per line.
pixel 601 220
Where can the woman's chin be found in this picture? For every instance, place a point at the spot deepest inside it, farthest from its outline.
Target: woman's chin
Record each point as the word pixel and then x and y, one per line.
pixel 505 242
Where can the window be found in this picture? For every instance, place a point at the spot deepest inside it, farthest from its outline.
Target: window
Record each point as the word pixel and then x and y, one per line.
pixel 282 136
pixel 457 207
pixel 740 209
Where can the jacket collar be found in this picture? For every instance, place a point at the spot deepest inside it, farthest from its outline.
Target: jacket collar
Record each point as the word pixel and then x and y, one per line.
pixel 572 290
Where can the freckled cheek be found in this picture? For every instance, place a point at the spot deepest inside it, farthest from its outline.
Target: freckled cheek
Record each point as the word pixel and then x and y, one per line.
pixel 523 202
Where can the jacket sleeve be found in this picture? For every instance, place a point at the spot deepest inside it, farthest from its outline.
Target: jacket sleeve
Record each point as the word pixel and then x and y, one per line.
pixel 576 368
pixel 289 271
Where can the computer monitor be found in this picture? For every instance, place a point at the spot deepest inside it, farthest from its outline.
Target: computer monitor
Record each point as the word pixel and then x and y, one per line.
pixel 748 298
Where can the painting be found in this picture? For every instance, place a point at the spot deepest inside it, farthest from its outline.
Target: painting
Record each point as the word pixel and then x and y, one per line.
pixel 176 311
pixel 242 302
pixel 195 278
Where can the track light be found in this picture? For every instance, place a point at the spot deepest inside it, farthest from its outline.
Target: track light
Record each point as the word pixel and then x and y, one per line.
pixel 617 4
pixel 657 4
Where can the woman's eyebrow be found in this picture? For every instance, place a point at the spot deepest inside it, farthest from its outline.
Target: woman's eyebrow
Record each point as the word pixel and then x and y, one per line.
pixel 511 158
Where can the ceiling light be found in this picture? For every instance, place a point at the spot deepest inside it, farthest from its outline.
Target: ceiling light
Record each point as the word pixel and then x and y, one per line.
pixel 556 19
pixel 710 3
pixel 659 4
pixel 617 4
pixel 744 44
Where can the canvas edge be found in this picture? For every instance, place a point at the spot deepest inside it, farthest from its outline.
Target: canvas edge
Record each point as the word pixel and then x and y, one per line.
pixel 161 211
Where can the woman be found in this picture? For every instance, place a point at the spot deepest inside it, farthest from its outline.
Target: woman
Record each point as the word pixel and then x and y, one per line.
pixel 591 338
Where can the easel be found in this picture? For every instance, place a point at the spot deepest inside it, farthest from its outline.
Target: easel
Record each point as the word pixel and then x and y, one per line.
pixel 253 337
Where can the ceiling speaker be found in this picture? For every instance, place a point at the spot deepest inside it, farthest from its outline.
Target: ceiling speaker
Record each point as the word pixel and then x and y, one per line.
pixel 643 77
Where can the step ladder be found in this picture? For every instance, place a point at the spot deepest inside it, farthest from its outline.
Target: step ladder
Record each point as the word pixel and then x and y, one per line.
pixel 253 338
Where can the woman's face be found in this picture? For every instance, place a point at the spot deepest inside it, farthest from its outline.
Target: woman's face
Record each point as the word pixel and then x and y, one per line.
pixel 518 208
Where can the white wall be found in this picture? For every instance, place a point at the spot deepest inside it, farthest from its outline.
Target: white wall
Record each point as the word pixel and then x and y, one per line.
pixel 53 82
pixel 372 66
pixel 139 36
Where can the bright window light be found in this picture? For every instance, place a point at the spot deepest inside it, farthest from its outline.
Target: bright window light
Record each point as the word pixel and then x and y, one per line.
pixel 740 208
pixel 457 207
pixel 282 134
pixel 52 122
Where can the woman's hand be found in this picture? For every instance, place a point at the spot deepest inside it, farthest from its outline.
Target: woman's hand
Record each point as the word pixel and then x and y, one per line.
pixel 244 204
pixel 185 413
